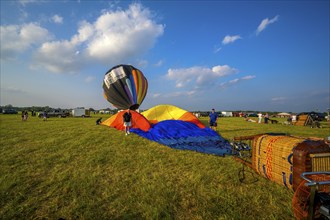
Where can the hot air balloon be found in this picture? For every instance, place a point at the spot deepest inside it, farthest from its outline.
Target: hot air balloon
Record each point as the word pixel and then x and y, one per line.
pixel 125 87
pixel 174 127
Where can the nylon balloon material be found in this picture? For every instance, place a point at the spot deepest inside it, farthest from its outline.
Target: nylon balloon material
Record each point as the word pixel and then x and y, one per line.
pixel 125 87
pixel 174 127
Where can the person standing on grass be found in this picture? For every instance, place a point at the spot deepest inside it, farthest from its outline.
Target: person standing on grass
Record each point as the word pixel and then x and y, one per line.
pixel 266 118
pixel 259 117
pixel 127 120
pixel 23 115
pixel 45 115
pixel 213 120
pixel 26 115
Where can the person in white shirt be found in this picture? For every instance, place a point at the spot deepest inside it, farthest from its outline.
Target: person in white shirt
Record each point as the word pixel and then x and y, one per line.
pixel 259 117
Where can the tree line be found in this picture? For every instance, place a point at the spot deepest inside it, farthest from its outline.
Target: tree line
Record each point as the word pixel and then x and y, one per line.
pixel 47 108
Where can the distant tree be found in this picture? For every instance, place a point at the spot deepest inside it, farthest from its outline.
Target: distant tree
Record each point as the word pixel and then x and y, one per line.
pixel 8 106
pixel 47 108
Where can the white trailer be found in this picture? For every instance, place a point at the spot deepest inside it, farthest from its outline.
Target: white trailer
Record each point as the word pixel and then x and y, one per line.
pixel 80 112
pixel 227 114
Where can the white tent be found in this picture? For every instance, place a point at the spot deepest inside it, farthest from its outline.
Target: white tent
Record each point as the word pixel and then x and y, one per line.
pixel 283 115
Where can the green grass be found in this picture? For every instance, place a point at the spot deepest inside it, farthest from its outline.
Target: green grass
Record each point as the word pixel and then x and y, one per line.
pixel 70 168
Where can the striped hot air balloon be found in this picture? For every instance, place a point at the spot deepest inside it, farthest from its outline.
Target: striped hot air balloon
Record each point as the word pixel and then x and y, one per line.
pixel 125 87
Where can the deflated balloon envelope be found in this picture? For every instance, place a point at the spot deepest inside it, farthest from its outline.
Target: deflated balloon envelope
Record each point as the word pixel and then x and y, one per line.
pixel 125 87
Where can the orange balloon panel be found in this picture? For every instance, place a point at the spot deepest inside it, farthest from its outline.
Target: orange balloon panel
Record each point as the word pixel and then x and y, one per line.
pixel 138 121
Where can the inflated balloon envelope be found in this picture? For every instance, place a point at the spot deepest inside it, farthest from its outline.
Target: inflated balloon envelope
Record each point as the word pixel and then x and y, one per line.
pixel 125 87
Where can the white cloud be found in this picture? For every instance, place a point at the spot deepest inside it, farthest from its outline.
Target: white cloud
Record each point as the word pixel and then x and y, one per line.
pixel 178 94
pixel 25 2
pixel 115 37
pixel 277 99
pixel 57 19
pixel 264 23
pixel 217 49
pixel 58 57
pixel 15 39
pixel 142 63
pixel 235 81
pixel 230 39
pixel 120 35
pixel 12 90
pixel 159 63
pixel 23 15
pixel 199 76
pixel 248 77
pixel 155 95
pixel 185 93
pixel 89 79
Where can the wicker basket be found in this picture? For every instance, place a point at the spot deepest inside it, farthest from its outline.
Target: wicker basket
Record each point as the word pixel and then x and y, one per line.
pixel 310 156
pixel 282 158
pixel 301 197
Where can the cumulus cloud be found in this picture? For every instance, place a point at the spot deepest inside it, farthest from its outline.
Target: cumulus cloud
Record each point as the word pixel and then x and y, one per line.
pixel 235 81
pixel 15 39
pixel 57 19
pixel 115 37
pixel 199 76
pixel 58 57
pixel 123 34
pixel 230 39
pixel 264 23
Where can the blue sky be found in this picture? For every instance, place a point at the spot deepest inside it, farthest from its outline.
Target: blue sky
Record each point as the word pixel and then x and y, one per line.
pixel 198 55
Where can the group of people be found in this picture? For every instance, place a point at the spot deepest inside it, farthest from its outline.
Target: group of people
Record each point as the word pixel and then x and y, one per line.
pixel 266 118
pixel 25 115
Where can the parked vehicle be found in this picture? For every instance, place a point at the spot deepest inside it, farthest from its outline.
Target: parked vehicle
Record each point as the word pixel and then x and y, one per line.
pixel 80 112
pixel 227 114
pixel 252 115
pixel 9 111
pixel 55 113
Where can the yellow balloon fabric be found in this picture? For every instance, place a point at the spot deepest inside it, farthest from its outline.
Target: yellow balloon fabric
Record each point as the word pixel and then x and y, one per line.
pixel 170 112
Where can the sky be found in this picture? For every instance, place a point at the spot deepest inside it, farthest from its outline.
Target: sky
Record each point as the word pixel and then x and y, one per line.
pixel 197 55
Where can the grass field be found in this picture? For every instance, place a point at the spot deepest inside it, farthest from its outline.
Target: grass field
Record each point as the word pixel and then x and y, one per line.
pixel 70 168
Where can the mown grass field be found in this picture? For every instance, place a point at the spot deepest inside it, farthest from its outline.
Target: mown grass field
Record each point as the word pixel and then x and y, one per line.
pixel 72 169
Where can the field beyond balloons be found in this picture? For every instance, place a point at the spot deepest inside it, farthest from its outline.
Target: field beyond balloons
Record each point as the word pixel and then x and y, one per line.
pixel 71 168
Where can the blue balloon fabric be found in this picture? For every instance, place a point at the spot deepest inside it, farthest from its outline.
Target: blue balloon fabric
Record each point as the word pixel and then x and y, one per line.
pixel 185 135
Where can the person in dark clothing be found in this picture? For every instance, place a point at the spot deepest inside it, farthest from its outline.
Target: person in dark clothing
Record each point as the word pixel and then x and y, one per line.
pixel 213 120
pixel 266 118
pixel 127 120
pixel 98 121
pixel 44 115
